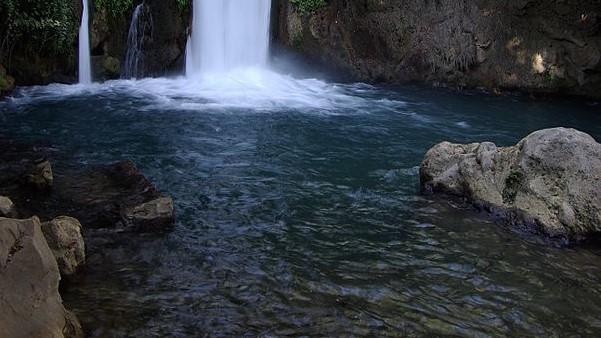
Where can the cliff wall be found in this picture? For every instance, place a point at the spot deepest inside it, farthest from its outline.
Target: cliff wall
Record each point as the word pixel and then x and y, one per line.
pixel 529 45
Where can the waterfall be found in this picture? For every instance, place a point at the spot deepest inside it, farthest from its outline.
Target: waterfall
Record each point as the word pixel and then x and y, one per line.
pixel 140 32
pixel 85 71
pixel 228 34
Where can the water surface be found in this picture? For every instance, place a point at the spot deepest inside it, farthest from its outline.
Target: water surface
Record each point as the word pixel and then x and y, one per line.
pixel 299 213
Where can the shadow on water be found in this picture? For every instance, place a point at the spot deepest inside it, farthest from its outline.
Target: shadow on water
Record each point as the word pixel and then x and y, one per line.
pixel 299 211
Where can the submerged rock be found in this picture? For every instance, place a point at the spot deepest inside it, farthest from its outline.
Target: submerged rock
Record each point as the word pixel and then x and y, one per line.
pixel 7 208
pixel 29 278
pixel 154 215
pixel 64 238
pixel 96 197
pixel 550 182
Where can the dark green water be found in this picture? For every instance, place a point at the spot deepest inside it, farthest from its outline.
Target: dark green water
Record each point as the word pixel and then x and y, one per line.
pixel 299 213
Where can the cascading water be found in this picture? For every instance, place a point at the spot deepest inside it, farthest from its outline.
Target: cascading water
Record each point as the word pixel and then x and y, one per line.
pixel 85 72
pixel 140 32
pixel 228 34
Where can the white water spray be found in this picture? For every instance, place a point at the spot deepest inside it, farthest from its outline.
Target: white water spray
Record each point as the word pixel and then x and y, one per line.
pixel 227 35
pixel 85 69
pixel 226 68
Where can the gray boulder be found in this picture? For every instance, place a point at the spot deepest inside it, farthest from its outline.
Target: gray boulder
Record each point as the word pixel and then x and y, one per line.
pixel 154 215
pixel 64 238
pixel 550 182
pixel 29 278
pixel 7 208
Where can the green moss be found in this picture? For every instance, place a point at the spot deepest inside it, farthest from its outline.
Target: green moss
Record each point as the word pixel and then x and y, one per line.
pixel 41 26
pixel 297 42
pixel 114 8
pixel 550 79
pixel 308 6
pixel 513 182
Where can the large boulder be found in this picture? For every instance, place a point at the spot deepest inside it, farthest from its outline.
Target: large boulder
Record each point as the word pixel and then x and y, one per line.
pixel 64 238
pixel 29 278
pixel 550 182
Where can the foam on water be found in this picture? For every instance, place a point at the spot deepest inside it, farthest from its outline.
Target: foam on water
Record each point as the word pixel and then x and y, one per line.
pixel 251 88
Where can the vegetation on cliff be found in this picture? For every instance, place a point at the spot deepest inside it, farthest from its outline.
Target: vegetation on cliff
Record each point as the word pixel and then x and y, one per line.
pixel 48 27
pixel 306 6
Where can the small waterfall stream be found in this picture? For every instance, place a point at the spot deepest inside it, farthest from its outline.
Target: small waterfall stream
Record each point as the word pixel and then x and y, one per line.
pixel 85 72
pixel 227 35
pixel 140 33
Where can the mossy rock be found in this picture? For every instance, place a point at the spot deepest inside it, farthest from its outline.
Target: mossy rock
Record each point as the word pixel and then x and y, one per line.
pixel 7 83
pixel 111 67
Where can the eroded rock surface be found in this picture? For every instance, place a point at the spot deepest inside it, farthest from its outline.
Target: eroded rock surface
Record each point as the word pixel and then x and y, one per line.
pixel 549 182
pixel 29 278
pixel 64 238
pixel 529 45
pixel 154 215
pixel 96 197
pixel 7 208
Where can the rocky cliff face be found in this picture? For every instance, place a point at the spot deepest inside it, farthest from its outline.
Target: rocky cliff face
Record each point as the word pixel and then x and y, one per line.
pixel 530 45
pixel 164 47
pixel 108 35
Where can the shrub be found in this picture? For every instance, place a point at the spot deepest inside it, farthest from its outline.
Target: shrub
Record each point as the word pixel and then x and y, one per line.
pixel 44 26
pixel 308 6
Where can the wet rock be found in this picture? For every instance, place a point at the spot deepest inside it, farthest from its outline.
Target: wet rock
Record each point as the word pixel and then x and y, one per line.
pixel 154 215
pixel 64 238
pixel 549 183
pixel 111 67
pixel 29 278
pixel 39 176
pixel 7 208
pixel 96 197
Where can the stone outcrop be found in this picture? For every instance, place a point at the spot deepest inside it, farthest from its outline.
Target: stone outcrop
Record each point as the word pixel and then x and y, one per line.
pixel 63 235
pixel 7 208
pixel 528 45
pixel 153 215
pixel 29 279
pixel 157 214
pixel 549 183
pixel 97 197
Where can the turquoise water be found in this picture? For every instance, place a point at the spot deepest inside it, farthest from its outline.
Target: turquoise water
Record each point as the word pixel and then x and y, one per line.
pixel 299 211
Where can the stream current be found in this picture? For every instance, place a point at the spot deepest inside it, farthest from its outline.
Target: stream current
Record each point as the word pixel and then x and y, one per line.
pixel 299 212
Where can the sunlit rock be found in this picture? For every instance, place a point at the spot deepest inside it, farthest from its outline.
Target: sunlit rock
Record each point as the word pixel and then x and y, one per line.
pixel 7 208
pixel 549 182
pixel 29 277
pixel 64 238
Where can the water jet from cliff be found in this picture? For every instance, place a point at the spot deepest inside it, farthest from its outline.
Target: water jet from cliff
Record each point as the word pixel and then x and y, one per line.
pixel 227 35
pixel 85 72
pixel 140 33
